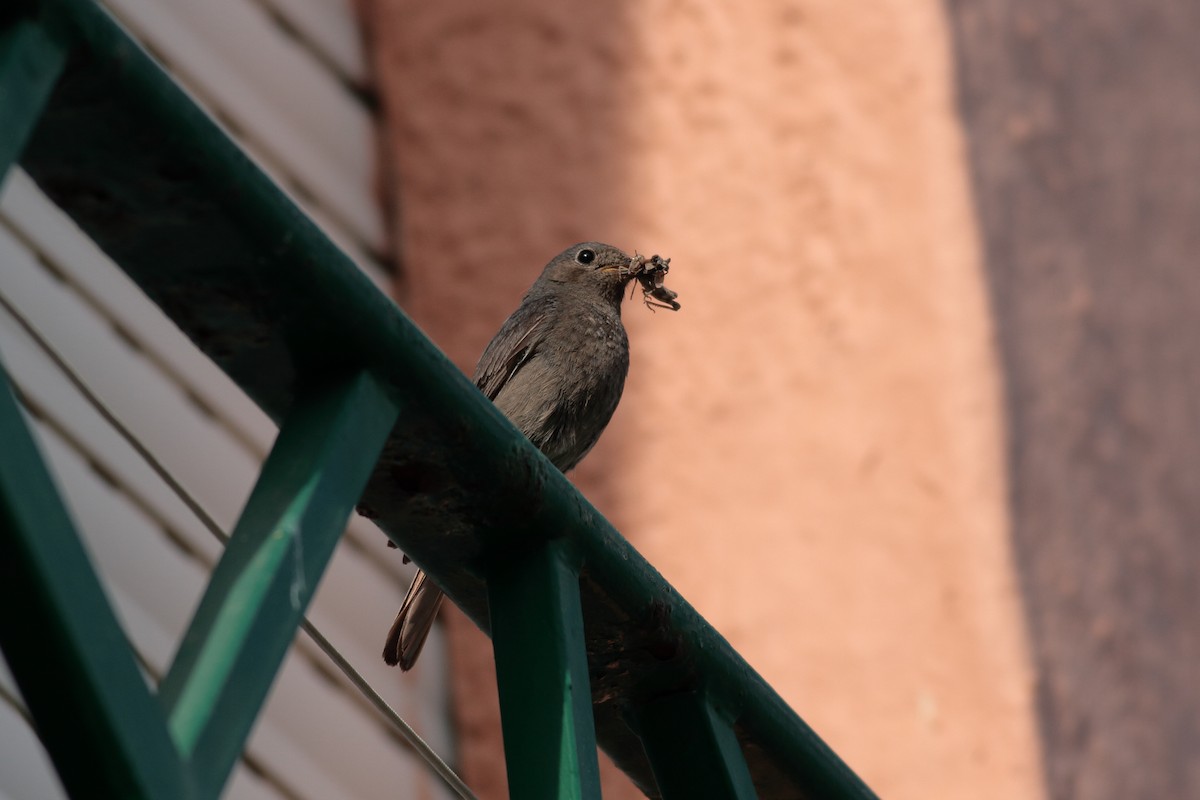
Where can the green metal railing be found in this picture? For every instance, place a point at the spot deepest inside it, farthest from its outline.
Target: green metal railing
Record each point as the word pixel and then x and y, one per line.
pixel 591 643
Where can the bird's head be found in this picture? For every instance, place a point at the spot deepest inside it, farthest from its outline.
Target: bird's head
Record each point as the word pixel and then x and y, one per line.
pixel 605 269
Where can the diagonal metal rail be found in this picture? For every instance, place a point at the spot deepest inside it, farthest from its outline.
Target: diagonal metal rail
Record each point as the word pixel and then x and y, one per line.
pixel 63 644
pixel 258 592
pixel 160 188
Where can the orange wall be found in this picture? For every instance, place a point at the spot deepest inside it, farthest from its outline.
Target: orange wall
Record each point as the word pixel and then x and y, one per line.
pixel 811 449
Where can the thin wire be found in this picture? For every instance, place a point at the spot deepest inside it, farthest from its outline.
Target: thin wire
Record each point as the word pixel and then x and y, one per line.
pixel 18 706
pixel 405 730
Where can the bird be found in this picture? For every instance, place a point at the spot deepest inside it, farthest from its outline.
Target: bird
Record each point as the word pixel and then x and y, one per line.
pixel 556 369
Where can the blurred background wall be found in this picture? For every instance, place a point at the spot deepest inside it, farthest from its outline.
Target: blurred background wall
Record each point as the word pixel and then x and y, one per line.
pixel 813 449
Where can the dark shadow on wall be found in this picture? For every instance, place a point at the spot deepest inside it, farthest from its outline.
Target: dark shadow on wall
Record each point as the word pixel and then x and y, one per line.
pixel 1084 140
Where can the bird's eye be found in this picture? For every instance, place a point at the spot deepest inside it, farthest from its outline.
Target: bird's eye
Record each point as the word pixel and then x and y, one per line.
pixel 585 256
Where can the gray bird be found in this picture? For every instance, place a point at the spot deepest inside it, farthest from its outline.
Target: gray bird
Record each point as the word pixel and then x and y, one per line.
pixel 556 369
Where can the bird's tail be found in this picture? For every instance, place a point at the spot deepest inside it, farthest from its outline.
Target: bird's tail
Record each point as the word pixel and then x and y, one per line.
pixel 413 622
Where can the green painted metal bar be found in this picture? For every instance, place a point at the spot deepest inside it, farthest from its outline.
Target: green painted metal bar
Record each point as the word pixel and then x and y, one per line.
pixel 278 551
pixel 30 63
pixel 237 267
pixel 693 750
pixel 541 669
pixel 73 664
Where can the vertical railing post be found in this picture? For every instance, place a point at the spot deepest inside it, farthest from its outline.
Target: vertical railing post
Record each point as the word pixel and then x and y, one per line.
pixel 693 750
pixel 70 658
pixel 541 669
pixel 30 63
pixel 249 614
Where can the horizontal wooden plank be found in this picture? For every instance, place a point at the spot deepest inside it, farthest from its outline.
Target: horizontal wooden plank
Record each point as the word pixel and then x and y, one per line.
pixel 237 62
pixel 329 27
pixel 187 442
pixel 49 236
pixel 25 769
pixel 268 160
pixel 52 396
pixel 248 785
pixel 154 586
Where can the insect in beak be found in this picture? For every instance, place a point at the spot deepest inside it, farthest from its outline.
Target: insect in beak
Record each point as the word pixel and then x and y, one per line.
pixel 651 273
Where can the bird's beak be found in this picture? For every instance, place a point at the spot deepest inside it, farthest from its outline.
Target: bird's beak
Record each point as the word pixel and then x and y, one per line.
pixel 634 267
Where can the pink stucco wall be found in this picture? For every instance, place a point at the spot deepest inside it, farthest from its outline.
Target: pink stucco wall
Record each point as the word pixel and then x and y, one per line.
pixel 811 449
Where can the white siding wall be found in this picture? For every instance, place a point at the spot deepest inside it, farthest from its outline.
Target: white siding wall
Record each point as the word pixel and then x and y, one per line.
pixel 279 75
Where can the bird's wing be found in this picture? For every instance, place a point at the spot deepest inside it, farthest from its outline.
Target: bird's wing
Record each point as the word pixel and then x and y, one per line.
pixel 512 347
